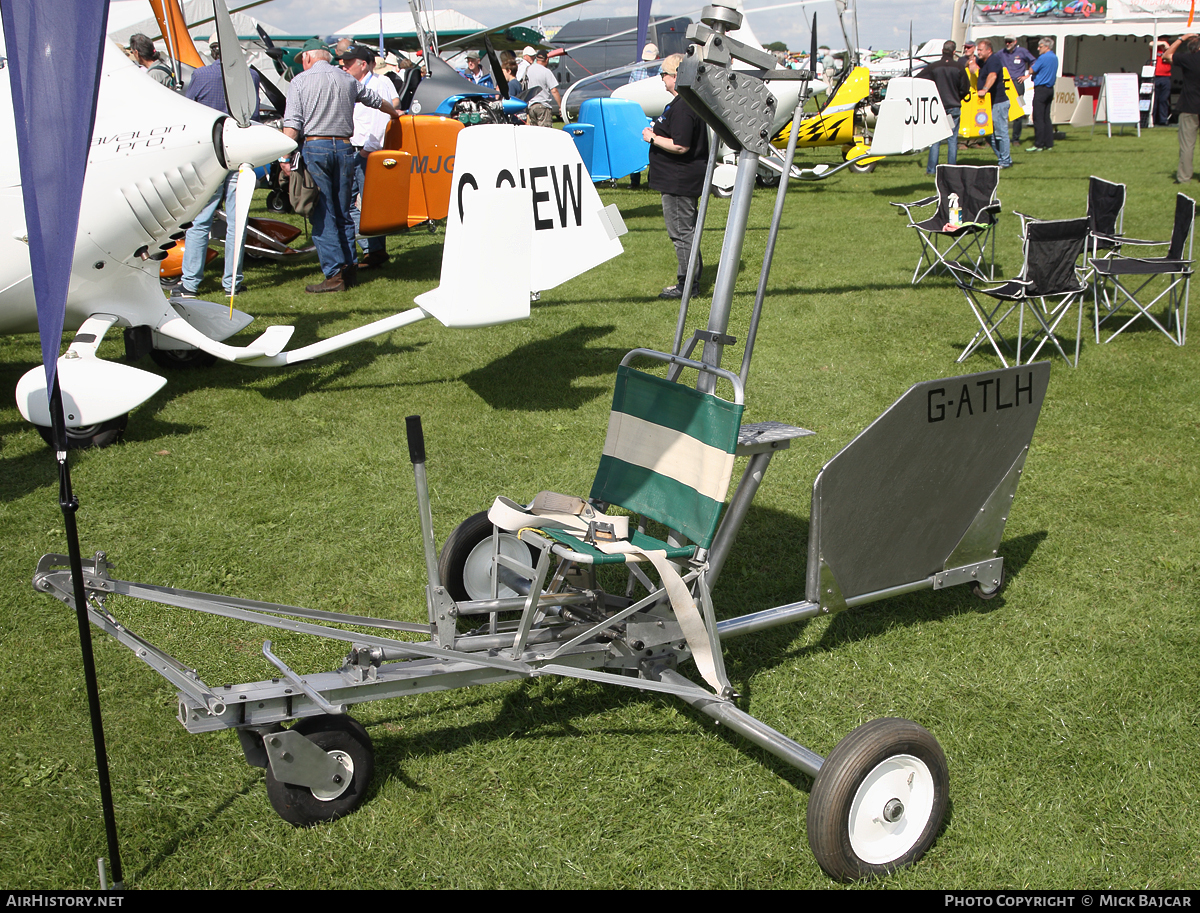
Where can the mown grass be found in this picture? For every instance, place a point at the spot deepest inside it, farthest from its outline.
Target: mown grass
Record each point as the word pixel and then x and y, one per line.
pixel 1067 706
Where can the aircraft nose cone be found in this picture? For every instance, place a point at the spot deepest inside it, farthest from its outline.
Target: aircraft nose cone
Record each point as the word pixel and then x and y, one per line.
pixel 257 144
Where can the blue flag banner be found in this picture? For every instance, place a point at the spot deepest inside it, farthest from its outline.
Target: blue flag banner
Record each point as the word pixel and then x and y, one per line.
pixel 642 26
pixel 54 49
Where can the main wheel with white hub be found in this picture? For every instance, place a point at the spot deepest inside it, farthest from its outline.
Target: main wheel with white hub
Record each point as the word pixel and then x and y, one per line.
pixel 878 801
pixel 465 564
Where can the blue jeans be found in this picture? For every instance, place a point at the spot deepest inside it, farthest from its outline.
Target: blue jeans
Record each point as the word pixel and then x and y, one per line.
pixel 331 163
pixel 999 139
pixel 195 242
pixel 935 151
pixel 372 245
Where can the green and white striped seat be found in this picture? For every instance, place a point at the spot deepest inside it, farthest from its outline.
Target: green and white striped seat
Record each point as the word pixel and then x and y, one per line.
pixel 669 457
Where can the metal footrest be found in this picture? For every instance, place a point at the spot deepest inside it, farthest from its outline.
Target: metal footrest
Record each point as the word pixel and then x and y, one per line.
pixel 761 437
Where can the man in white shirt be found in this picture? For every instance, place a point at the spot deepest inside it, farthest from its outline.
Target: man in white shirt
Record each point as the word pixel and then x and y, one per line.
pixel 370 125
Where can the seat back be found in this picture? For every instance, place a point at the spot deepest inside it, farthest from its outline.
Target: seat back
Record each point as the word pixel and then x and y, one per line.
pixel 1185 215
pixel 669 453
pixel 1105 206
pixel 1052 249
pixel 976 188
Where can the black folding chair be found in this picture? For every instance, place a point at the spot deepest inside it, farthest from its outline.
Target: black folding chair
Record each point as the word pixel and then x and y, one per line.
pixel 1175 267
pixel 1105 215
pixel 975 186
pixel 1052 250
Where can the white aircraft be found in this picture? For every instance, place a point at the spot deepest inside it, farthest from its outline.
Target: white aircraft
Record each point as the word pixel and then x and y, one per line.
pixel 156 158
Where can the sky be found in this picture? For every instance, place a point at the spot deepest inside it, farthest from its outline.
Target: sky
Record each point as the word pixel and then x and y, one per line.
pixel 882 24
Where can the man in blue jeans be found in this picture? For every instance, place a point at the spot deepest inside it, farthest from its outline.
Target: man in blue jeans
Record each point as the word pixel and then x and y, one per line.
pixel 320 106
pixel 991 82
pixel 953 86
pixel 208 88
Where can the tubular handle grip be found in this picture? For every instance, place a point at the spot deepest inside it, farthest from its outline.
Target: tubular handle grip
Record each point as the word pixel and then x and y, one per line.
pixel 416 439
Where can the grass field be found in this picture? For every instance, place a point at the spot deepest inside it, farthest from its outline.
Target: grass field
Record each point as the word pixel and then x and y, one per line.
pixel 1067 706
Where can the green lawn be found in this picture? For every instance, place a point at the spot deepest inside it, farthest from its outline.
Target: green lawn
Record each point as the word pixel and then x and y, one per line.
pixel 1067 706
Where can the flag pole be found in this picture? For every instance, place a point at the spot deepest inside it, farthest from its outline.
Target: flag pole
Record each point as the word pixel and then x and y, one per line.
pixel 70 504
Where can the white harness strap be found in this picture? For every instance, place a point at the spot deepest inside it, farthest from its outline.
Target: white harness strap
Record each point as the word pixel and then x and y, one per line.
pixel 511 517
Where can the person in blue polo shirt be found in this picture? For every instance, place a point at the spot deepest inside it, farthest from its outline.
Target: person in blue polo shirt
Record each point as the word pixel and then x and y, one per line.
pixel 1045 72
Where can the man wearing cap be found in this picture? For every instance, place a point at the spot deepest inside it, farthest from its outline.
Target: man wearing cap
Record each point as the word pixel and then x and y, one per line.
pixel 474 71
pixel 320 109
pixel 370 125
pixel 540 91
pixel 1017 60
pixel 678 155
pixel 649 54
pixel 527 57
pixel 208 88
pixel 953 86
pixel 991 82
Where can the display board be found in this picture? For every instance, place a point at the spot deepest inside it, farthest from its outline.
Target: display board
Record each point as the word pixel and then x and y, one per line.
pixel 1119 101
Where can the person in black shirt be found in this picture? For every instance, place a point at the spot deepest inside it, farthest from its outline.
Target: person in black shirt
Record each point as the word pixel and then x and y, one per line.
pixel 678 158
pixel 953 86
pixel 1184 53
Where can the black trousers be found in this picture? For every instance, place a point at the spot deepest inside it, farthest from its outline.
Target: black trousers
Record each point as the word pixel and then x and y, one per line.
pixel 1043 130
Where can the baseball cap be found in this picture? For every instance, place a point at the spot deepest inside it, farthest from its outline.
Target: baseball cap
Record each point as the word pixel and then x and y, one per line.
pixel 529 51
pixel 1008 38
pixel 472 55
pixel 650 51
pixel 315 44
pixel 358 52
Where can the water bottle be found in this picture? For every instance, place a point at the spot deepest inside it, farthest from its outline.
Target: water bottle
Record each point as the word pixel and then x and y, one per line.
pixel 955 211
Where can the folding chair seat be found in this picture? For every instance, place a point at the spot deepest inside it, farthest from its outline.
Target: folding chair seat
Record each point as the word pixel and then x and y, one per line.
pixel 1175 267
pixel 974 240
pixel 668 457
pixel 1048 285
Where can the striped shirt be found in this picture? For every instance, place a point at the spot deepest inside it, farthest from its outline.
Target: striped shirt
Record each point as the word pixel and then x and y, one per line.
pixel 320 101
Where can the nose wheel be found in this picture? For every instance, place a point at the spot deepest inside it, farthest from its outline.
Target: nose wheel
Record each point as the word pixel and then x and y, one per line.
pixel 878 801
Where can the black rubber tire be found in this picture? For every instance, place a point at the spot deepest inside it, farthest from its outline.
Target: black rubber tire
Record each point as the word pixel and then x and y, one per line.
pixel 721 193
pixel 474 532
pixel 177 359
pixel 768 180
pixel 277 201
pixel 867 765
pixel 978 590
pixel 102 434
pixel 864 169
pixel 296 804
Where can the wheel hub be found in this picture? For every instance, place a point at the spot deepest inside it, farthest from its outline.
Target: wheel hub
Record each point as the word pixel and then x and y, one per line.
pixel 891 809
pixel 339 782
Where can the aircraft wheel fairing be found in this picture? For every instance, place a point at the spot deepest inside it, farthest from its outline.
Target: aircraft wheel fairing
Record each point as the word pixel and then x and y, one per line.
pixel 101 434
pixel 345 739
pixel 863 168
pixel 878 801
pixel 465 564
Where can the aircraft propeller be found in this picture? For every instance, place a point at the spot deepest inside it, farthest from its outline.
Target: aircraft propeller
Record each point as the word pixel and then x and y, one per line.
pixel 242 101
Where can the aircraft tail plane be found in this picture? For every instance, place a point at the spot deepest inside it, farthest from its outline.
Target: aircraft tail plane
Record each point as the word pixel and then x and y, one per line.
pixel 911 117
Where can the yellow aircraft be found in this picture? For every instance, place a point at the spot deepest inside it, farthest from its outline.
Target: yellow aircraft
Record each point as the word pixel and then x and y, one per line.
pixel 835 124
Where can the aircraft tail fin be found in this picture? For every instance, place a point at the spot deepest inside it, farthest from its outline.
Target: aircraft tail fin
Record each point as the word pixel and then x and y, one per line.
pixel 484 284
pixel 911 117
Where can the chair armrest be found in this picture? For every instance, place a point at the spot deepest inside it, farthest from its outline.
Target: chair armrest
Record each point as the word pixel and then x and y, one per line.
pixel 924 202
pixel 1117 239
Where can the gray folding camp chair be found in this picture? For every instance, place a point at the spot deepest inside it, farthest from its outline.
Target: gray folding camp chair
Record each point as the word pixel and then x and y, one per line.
pixel 1047 287
pixel 1175 267
pixel 973 241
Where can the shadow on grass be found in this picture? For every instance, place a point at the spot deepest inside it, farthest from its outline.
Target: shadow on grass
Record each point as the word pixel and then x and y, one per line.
pixel 544 375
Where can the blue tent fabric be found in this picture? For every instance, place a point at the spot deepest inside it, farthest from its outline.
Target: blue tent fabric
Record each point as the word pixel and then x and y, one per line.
pixel 45 39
